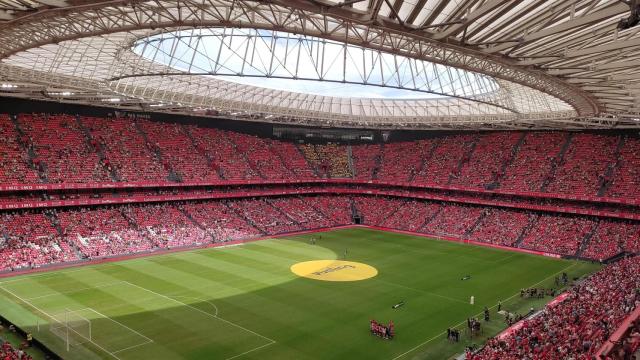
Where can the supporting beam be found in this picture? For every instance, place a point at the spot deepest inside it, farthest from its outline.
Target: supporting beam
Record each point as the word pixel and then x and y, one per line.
pixel 616 45
pixel 606 13
pixel 470 18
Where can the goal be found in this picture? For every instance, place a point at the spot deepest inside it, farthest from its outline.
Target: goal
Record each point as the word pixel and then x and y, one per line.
pixel 72 327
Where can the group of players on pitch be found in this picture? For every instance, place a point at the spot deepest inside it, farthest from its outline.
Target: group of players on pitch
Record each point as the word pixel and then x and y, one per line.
pixel 381 330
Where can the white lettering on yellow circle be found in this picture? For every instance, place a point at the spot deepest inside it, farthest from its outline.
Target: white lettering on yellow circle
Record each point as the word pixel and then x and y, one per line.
pixel 334 270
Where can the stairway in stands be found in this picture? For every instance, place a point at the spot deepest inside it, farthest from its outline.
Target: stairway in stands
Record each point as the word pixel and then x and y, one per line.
pixel 283 161
pixel 605 181
pixel 53 217
pixel 195 222
pixel 210 160
pixel 309 163
pixel 352 168
pixel 466 157
pixel 279 210
pixel 242 216
pixel 557 162
pixel 90 141
pixel 378 163
pixel 425 159
pixel 587 239
pixel 429 219
pixel 172 176
pixel 503 169
pixel 244 156
pixel 473 227
pixel 29 149
pixel 394 211
pixel 533 219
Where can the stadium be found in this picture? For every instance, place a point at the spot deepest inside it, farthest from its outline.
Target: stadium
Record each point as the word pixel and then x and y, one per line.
pixel 320 179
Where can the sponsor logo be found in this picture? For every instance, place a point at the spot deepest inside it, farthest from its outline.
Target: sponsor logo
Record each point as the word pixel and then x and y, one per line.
pixel 334 270
pixel 330 269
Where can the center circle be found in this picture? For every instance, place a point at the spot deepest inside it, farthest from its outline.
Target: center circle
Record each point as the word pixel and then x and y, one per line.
pixel 334 270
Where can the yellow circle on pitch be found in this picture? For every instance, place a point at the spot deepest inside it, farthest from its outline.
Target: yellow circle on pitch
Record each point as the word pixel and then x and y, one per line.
pixel 334 270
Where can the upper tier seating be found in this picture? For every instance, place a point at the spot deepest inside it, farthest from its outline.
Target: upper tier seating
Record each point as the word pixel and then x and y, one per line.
pixel 125 150
pixel 177 151
pixel 625 180
pixel 490 156
pixel 401 161
pixel 260 156
pixel 61 150
pixel 581 170
pixel 90 149
pixel 533 162
pixel 366 160
pixel 215 144
pixel 331 160
pixel 15 166
pixel 447 159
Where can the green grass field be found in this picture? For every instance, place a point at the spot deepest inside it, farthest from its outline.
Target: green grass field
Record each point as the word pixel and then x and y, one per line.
pixel 243 302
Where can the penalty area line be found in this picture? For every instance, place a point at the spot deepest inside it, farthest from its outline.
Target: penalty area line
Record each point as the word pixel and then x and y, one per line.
pixel 119 323
pixel 52 317
pixel 252 350
pixel 478 314
pixel 270 341
pixel 133 346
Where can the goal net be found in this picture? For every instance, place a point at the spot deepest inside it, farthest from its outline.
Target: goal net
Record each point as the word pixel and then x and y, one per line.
pixel 72 327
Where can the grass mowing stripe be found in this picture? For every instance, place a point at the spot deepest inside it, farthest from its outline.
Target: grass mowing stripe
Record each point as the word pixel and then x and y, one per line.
pixel 132 347
pixel 75 291
pixel 51 317
pixel 253 287
pixel 201 311
pixel 270 341
pixel 250 351
pixel 121 324
pixel 480 313
pixel 420 291
pixel 198 299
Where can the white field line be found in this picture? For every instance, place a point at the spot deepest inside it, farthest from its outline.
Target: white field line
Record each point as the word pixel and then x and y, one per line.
pixel 119 323
pixel 148 340
pixel 76 290
pixel 252 350
pixel 47 314
pixel 198 299
pixel 478 314
pixel 201 311
pixel 133 347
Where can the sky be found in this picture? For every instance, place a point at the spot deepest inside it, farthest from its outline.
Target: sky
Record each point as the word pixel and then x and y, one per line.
pixel 310 65
pixel 330 88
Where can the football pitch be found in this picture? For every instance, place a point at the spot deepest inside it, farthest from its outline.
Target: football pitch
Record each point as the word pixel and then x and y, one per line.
pixel 244 302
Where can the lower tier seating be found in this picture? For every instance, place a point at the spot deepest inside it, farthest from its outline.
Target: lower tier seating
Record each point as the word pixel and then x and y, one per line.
pixel 579 325
pixel 34 238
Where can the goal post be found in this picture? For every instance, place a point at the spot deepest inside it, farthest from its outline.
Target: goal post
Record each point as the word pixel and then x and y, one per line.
pixel 72 327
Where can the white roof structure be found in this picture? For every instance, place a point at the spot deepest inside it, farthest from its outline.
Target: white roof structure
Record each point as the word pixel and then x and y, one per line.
pixel 472 64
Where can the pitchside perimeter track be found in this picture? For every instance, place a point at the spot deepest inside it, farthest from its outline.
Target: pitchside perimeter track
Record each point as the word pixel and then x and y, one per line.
pixel 245 302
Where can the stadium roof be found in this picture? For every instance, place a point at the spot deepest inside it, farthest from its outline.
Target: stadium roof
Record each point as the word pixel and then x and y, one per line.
pixel 476 64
